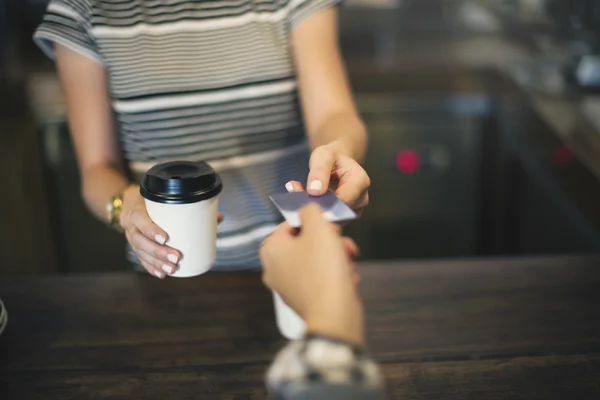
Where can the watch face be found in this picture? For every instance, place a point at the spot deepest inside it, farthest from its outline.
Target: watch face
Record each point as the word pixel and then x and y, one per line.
pixel 113 211
pixel 113 207
pixel 109 210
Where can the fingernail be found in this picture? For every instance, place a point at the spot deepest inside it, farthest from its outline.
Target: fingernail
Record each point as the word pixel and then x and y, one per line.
pixel 168 269
pixel 158 274
pixel 316 185
pixel 173 258
pixel 160 239
pixel 289 187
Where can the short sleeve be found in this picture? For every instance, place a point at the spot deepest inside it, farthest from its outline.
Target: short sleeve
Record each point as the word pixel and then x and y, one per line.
pixel 67 22
pixel 301 9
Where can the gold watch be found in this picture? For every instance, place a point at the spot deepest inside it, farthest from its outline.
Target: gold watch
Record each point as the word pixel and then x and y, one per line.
pixel 113 211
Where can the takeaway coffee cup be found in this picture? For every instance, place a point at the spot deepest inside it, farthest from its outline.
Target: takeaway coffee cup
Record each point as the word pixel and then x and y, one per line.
pixel 182 198
pixel 290 325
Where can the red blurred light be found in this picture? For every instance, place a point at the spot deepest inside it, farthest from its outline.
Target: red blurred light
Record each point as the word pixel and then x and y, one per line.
pixel 408 161
pixel 562 154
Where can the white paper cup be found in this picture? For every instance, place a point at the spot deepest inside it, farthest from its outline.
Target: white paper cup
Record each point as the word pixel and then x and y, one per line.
pixel 182 199
pixel 290 325
pixel 192 229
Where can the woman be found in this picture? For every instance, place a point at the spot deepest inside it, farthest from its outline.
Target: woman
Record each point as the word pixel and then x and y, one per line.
pixel 313 272
pixel 238 83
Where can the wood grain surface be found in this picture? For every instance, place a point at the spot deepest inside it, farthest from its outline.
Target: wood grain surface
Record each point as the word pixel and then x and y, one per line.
pixel 479 329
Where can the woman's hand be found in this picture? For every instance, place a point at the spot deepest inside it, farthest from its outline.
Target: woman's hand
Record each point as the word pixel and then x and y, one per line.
pixel 313 272
pixel 332 169
pixel 146 238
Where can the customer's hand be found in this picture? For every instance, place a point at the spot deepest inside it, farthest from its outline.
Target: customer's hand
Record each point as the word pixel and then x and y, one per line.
pixel 314 273
pixel 331 169
pixel 146 238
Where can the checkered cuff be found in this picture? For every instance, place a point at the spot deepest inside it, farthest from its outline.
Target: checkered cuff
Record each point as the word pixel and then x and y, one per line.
pixel 321 361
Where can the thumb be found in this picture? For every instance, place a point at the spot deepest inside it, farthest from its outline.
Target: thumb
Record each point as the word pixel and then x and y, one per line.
pixel 321 164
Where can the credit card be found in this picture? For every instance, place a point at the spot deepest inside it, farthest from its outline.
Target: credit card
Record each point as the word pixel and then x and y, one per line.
pixel 289 204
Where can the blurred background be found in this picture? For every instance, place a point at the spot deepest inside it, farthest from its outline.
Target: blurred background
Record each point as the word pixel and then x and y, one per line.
pixel 484 118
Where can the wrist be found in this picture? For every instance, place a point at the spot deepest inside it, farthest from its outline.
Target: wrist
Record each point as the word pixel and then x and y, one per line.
pixel 340 319
pixel 130 193
pixel 117 205
pixel 347 147
pixel 333 328
pixel 341 146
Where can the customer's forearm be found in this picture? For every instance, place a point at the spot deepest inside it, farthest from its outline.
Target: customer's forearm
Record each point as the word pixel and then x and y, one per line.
pixel 330 362
pixel 99 184
pixel 340 315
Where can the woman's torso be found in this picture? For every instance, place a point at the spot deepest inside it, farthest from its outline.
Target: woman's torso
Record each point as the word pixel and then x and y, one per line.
pixel 208 80
pixel 212 81
pixel 199 79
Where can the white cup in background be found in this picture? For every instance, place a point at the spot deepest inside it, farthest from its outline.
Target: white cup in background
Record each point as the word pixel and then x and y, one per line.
pixel 290 325
pixel 182 199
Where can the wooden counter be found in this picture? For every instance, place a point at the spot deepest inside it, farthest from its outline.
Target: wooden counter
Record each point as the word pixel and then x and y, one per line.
pixel 481 329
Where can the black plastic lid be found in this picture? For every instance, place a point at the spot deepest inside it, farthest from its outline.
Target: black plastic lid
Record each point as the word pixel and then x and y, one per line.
pixel 181 182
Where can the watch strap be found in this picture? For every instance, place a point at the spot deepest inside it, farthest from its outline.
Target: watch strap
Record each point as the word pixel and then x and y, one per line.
pixel 113 211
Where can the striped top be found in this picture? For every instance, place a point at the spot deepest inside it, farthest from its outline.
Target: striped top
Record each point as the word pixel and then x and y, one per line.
pixel 201 80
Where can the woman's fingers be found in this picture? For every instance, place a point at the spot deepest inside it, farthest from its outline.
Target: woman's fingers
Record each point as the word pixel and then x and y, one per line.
pixel 142 221
pixel 158 259
pixel 354 184
pixel 294 186
pixel 147 239
pixel 159 267
pixel 361 203
pixel 163 253
pixel 153 257
pixel 151 270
